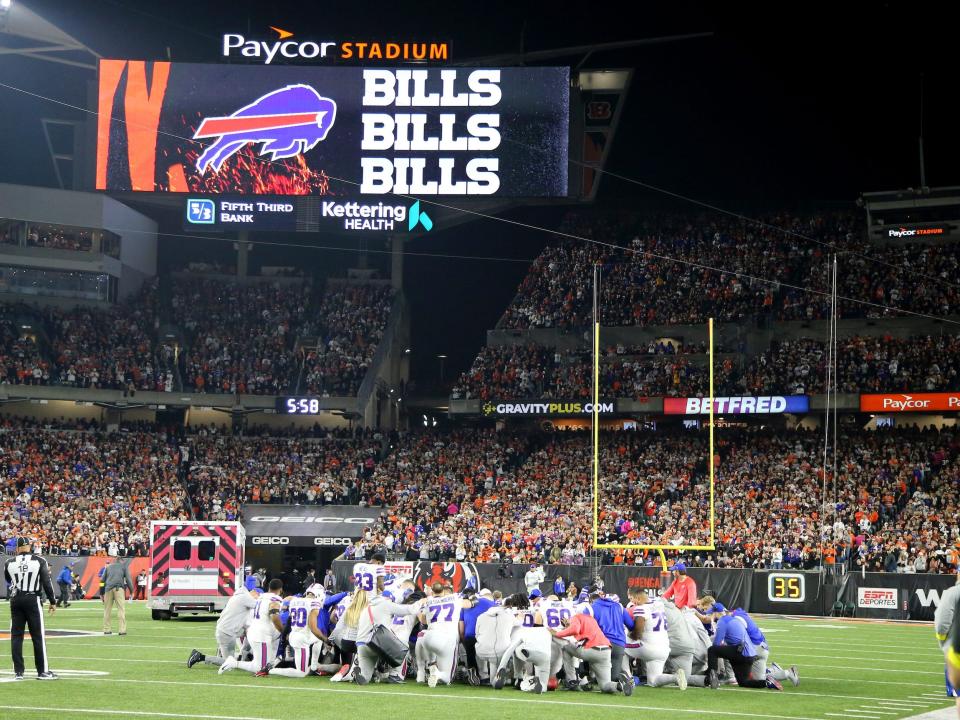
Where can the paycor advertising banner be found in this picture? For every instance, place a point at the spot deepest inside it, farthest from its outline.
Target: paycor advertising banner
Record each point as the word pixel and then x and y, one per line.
pixel 332 131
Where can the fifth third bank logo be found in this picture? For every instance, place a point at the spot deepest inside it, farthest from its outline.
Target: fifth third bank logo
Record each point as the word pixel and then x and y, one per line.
pixel 418 218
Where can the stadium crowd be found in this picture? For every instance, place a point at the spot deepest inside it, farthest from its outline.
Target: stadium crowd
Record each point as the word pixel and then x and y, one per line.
pixel 351 321
pixel 240 339
pixel 241 335
pixel 531 371
pixel 87 493
pixel 664 271
pixel 881 363
pixel 505 497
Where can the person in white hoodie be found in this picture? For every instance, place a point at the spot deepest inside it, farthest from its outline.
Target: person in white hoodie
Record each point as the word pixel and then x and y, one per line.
pixel 493 638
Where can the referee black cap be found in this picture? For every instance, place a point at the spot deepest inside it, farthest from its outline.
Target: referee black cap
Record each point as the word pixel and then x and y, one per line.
pixel 24 541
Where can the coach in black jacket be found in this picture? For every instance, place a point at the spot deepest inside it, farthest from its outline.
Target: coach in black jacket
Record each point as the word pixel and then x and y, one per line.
pixel 28 576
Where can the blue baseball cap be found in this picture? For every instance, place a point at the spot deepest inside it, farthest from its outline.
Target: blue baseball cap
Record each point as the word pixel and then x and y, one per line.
pixel 257 589
pixel 535 593
pixel 718 607
pixel 679 566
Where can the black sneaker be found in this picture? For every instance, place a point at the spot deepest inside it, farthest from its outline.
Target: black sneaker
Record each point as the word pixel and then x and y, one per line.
pixel 626 684
pixel 358 677
pixel 473 677
pixel 713 680
pixel 48 676
pixel 538 686
pixel 18 676
pixel 573 686
pixel 195 657
pixel 108 633
pixel 500 680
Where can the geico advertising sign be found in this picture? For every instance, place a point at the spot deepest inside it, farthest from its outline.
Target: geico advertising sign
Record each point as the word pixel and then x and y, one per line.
pixel 312 519
pixel 556 408
pixel 914 402
pixel 882 598
pixel 277 540
pixel 742 405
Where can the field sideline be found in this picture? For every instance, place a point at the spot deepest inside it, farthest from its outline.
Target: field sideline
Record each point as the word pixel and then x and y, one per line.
pixel 871 671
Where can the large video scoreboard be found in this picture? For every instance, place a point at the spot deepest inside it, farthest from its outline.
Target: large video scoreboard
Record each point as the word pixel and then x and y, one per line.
pixel 337 132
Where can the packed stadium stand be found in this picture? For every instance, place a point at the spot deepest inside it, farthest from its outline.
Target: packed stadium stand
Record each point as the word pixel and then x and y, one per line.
pixel 512 497
pixel 515 492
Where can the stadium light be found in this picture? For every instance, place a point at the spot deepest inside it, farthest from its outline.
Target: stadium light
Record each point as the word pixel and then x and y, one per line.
pixel 5 4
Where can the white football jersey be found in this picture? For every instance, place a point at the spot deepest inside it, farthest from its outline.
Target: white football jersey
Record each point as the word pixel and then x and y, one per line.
pixel 655 626
pixel 555 611
pixel 300 609
pixel 261 625
pixel 443 613
pixel 365 576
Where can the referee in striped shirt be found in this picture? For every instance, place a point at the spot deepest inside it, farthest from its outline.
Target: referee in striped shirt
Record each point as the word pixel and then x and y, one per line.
pixel 27 576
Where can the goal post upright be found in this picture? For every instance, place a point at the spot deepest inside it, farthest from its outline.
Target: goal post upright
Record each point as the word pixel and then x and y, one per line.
pixel 660 549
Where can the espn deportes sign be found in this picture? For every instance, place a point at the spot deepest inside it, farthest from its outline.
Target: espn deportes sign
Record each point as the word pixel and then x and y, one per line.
pixel 883 598
pixel 914 402
pixel 742 405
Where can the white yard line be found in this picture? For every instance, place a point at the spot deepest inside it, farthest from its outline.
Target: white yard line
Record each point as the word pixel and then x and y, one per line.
pixel 882 711
pixel 107 711
pixel 118 660
pixel 873 682
pixel 862 657
pixel 934 654
pixel 428 695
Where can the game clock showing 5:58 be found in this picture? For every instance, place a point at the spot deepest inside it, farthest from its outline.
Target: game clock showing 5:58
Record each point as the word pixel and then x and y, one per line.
pixel 786 587
pixel 299 406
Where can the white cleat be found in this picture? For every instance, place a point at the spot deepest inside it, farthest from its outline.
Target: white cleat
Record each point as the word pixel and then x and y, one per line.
pixel 229 664
pixel 794 675
pixel 433 676
pixel 681 679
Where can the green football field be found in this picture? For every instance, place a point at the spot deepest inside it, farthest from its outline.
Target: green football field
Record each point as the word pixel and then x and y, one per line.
pixel 851 670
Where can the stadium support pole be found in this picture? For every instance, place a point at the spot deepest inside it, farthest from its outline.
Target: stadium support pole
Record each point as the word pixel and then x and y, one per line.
pixel 595 415
pixel 710 462
pixel 831 381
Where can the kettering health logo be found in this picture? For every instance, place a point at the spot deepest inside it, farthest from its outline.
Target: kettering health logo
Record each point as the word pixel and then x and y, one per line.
pixel 286 123
pixel 416 217
pixel 379 216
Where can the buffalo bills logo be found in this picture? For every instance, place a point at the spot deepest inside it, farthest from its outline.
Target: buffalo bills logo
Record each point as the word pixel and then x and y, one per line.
pixel 287 123
pixel 455 574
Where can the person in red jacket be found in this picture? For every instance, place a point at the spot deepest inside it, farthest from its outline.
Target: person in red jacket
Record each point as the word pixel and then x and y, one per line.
pixel 683 589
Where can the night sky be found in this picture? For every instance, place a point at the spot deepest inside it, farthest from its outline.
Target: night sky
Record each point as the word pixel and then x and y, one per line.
pixel 793 106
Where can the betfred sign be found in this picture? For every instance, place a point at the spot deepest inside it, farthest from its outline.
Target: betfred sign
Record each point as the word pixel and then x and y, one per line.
pixel 742 405
pixel 882 598
pixel 913 402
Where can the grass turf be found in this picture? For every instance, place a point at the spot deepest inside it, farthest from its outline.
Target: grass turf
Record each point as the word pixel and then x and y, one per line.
pixel 870 671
